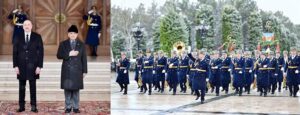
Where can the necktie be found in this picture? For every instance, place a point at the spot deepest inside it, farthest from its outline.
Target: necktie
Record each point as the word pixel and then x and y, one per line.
pixel 73 44
pixel 27 39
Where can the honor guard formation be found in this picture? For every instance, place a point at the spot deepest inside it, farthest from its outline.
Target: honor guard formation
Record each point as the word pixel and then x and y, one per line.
pixel 218 71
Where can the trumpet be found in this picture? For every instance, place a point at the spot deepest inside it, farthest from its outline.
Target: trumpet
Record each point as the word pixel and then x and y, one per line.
pixel 89 20
pixel 15 19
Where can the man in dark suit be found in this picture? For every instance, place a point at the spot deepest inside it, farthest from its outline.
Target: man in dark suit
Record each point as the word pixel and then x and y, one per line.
pixel 28 54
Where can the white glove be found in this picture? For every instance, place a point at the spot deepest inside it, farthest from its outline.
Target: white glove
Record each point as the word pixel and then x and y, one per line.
pixel 187 75
pixel 240 72
pixel 255 75
pixel 91 11
pixel 163 71
pixel 125 71
pixel 275 74
pixel 140 72
pixel 153 72
pixel 146 61
pixel 265 66
pixel 229 70
pixel 99 35
pixel 296 71
pixel 16 10
pixel 215 67
pixel 281 69
pixel 250 71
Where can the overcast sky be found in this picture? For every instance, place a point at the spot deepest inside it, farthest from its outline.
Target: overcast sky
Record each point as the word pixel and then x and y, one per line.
pixel 290 8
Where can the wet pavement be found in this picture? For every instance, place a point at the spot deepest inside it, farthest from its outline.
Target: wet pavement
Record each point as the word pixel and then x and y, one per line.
pixel 184 103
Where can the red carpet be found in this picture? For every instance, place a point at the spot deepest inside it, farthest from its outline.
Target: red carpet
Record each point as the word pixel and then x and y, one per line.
pixel 56 108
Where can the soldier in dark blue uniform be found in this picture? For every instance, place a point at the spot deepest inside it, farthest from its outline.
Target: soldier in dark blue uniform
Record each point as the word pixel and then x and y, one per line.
pixel 94 25
pixel 280 61
pixel 225 71
pixel 155 79
pixel 18 17
pixel 200 75
pixel 123 75
pixel 273 70
pixel 215 76
pixel 248 71
pixel 262 74
pixel 256 58
pixel 285 58
pixel 292 68
pixel 138 69
pixel 183 71
pixel 173 64
pixel 147 72
pixel 161 70
pixel 192 70
pixel 238 73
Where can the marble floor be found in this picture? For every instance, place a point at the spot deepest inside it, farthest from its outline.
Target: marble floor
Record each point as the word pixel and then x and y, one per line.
pixel 185 104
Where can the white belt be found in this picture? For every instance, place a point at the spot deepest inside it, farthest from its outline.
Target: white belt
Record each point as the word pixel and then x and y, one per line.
pixel 19 24
pixel 92 24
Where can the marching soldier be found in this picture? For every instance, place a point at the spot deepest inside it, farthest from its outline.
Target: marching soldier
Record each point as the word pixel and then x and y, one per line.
pixel 192 71
pixel 262 71
pixel 285 57
pixel 248 71
pixel 161 70
pixel 94 25
pixel 183 71
pixel 280 61
pixel 225 71
pixel 155 79
pixel 200 75
pixel 138 69
pixel 292 68
pixel 147 72
pixel 18 17
pixel 238 73
pixel 255 69
pixel 215 76
pixel 173 64
pixel 123 75
pixel 273 70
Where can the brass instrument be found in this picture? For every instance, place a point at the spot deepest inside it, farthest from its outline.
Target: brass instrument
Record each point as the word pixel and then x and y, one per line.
pixel 179 47
pixel 15 19
pixel 284 81
pixel 89 20
pixel 254 84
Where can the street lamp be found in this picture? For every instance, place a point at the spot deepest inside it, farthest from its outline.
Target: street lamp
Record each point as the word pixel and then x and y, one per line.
pixel 203 30
pixel 137 32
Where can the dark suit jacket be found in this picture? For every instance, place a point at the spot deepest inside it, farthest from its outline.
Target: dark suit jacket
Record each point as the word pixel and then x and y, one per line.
pixel 28 56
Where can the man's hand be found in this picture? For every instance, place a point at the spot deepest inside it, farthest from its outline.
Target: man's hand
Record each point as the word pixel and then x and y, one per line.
pixel 125 71
pixel 240 72
pixel 17 70
pixel 250 71
pixel 37 71
pixel 73 53
pixel 163 71
pixel 296 71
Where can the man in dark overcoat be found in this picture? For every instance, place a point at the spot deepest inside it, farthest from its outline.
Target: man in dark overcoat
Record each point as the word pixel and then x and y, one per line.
pixel 28 54
pixel 74 68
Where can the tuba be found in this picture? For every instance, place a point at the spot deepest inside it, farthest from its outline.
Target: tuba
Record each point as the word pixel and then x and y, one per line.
pixel 179 47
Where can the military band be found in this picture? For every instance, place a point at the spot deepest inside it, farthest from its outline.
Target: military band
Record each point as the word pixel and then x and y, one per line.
pixel 197 71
